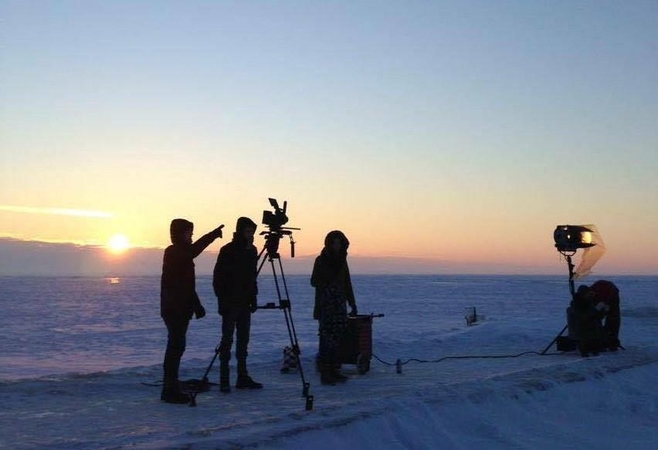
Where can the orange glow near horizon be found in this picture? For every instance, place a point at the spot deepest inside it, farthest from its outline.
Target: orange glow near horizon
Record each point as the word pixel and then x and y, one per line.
pixel 118 243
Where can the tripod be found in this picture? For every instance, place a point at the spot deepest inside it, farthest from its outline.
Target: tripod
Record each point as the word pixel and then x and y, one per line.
pixel 270 249
pixel 572 289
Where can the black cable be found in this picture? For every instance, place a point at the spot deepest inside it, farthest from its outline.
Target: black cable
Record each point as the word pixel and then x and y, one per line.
pixel 193 382
pixel 401 363
pixel 190 384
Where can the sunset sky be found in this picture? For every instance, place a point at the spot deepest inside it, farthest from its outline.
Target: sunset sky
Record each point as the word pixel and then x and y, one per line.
pixel 453 131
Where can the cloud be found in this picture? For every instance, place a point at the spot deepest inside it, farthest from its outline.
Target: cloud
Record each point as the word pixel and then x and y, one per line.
pixel 58 211
pixel 34 258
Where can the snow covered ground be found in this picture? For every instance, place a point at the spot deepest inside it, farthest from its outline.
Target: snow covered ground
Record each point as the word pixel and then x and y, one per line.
pixel 529 401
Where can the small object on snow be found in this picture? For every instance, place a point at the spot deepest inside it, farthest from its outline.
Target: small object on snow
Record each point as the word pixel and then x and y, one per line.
pixel 470 314
pixel 398 366
pixel 289 361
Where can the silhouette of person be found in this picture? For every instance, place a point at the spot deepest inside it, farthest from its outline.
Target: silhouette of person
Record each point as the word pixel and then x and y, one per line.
pixel 607 298
pixel 333 290
pixel 591 307
pixel 179 300
pixel 236 288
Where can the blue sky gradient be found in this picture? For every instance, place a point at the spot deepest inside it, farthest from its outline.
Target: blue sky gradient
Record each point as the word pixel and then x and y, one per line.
pixel 460 131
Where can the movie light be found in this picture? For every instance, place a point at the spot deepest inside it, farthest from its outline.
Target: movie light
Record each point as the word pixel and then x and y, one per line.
pixel 569 238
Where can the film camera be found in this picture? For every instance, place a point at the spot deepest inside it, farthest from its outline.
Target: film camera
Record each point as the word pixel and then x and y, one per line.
pixel 569 238
pixel 274 222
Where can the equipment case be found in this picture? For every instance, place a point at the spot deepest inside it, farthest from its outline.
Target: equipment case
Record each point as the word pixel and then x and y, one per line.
pixel 356 343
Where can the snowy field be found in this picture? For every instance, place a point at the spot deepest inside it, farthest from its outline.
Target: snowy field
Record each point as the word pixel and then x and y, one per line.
pixel 78 355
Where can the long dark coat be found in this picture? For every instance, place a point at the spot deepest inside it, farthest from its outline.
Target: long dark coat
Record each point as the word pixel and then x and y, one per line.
pixel 332 271
pixel 178 296
pixel 234 277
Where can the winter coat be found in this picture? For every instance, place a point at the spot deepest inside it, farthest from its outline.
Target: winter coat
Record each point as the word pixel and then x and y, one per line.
pixel 178 297
pixel 234 277
pixel 331 270
pixel 608 294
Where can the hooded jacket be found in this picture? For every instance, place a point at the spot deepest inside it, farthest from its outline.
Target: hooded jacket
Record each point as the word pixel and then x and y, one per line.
pixel 178 297
pixel 234 276
pixel 608 294
pixel 331 269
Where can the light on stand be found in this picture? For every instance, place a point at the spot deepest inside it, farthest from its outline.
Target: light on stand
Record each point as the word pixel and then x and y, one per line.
pixel 568 239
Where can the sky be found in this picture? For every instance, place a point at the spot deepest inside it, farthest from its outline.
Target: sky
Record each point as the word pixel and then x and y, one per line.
pixel 456 132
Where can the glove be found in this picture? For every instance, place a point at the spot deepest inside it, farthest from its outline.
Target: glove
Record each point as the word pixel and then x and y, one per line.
pixel 217 232
pixel 353 310
pixel 199 311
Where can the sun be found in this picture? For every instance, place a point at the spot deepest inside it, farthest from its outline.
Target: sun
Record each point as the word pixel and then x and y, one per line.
pixel 118 243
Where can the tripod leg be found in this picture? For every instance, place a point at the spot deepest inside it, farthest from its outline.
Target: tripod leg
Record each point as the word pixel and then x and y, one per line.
pixel 295 346
pixel 205 375
pixel 292 334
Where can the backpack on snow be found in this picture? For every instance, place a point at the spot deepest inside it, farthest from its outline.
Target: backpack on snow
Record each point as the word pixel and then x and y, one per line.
pixel 290 362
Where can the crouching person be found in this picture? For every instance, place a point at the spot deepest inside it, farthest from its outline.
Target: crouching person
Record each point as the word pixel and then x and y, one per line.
pixel 235 285
pixel 606 297
pixel 179 300
pixel 594 318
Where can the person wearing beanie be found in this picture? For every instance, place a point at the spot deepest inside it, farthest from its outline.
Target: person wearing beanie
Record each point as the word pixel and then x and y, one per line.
pixel 333 291
pixel 236 288
pixel 179 300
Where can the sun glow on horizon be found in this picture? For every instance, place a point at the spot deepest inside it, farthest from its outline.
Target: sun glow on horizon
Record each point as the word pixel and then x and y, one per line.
pixel 118 243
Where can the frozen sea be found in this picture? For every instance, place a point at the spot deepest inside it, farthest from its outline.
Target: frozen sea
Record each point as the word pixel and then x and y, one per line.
pixel 77 356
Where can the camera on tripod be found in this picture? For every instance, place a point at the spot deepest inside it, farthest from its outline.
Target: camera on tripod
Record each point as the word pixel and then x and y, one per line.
pixel 274 221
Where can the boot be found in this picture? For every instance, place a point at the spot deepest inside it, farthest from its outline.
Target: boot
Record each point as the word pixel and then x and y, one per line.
pixel 339 377
pixel 171 393
pixel 613 343
pixel 224 379
pixel 244 380
pixel 327 377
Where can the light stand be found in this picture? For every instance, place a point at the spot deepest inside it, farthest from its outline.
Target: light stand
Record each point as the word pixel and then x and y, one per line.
pixel 572 289
pixel 568 239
